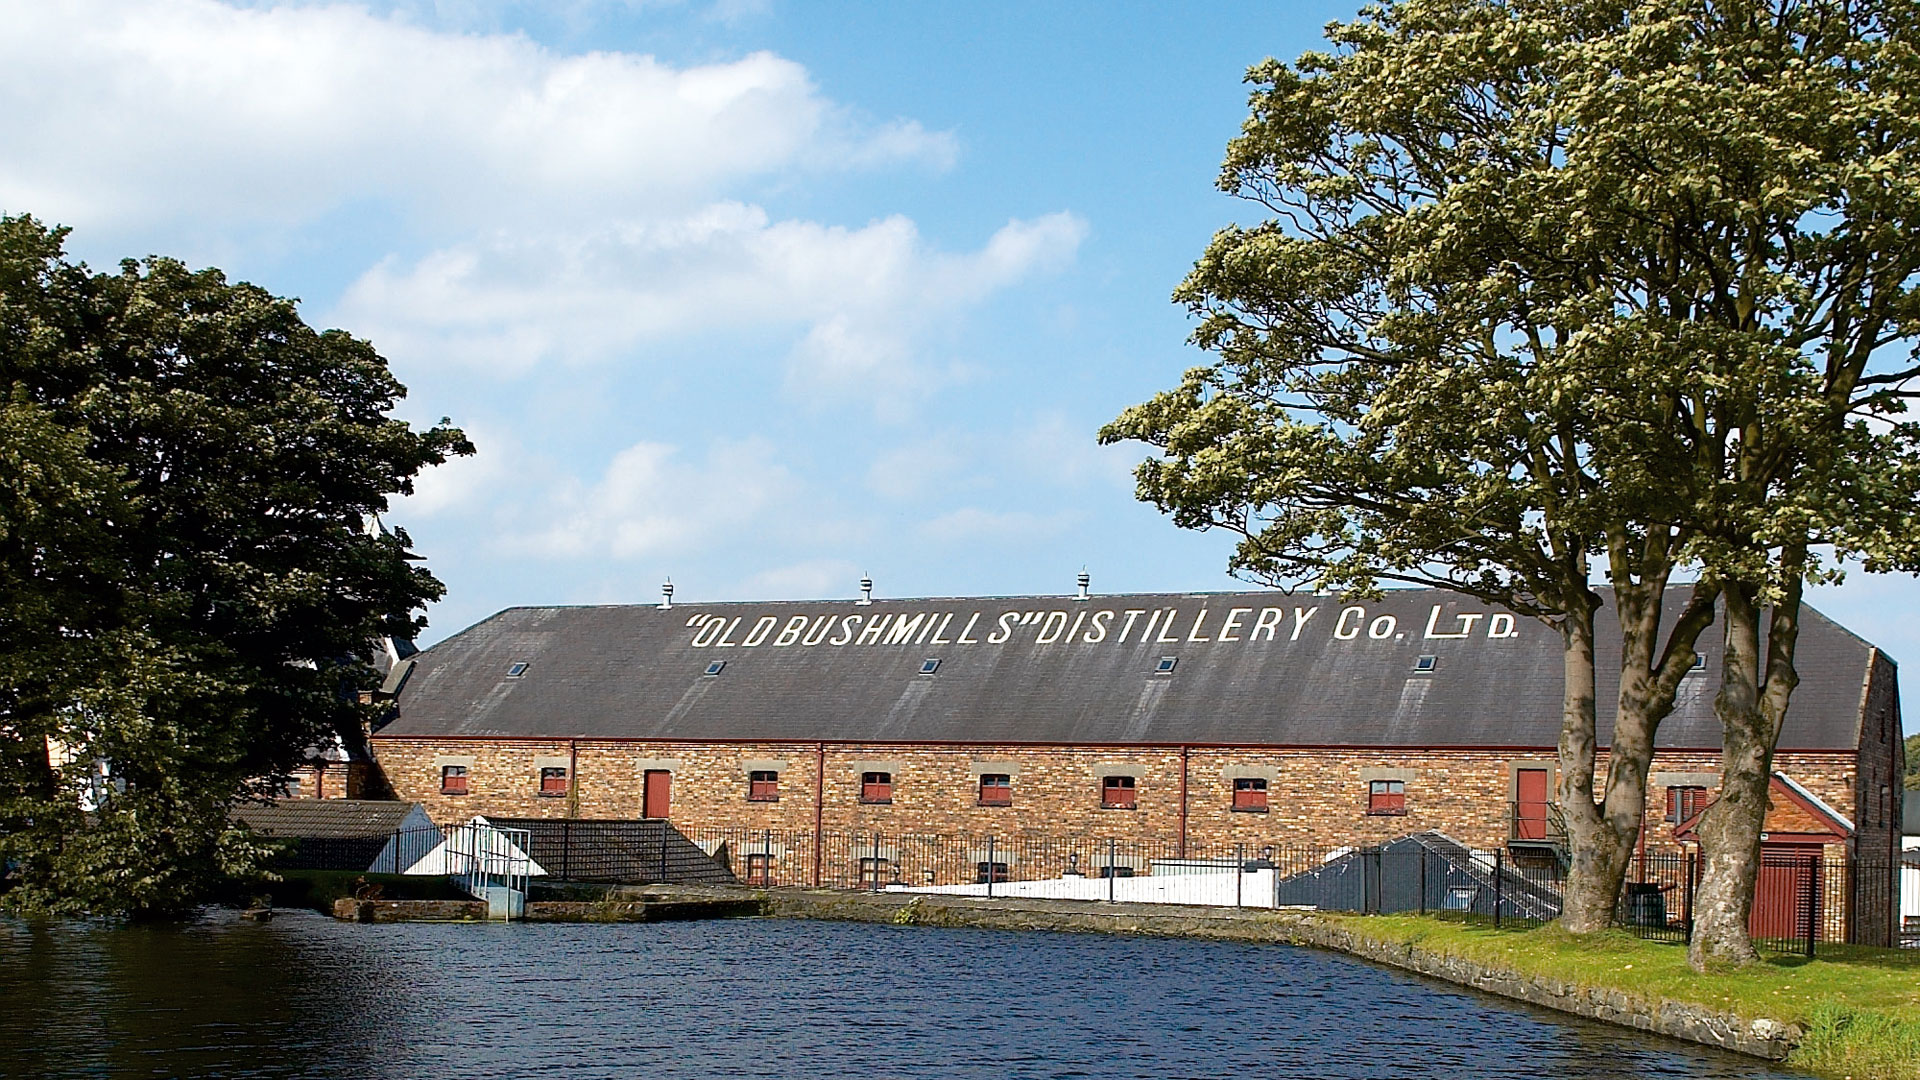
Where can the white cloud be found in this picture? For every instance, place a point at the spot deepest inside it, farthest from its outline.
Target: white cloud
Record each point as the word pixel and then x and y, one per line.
pixel 1051 450
pixel 973 525
pixel 918 468
pixel 1071 454
pixel 129 111
pixel 652 502
pixel 462 482
pixel 863 298
pixel 808 580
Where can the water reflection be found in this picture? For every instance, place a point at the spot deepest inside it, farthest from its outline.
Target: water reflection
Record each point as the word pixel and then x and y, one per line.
pixel 307 997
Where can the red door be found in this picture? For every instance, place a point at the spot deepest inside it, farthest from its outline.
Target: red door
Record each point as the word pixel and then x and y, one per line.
pixel 1530 805
pixel 1783 897
pixel 659 792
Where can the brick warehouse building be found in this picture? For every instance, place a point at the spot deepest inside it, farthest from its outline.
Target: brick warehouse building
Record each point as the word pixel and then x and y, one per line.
pixel 1203 719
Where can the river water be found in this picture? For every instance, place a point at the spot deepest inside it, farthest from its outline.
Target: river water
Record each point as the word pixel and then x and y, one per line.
pixel 304 996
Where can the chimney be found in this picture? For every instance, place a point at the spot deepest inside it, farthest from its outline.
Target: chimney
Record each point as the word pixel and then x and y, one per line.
pixel 1084 581
pixel 666 595
pixel 866 590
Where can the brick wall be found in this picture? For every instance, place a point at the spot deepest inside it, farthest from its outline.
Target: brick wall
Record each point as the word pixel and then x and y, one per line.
pixel 345 780
pixel 1315 797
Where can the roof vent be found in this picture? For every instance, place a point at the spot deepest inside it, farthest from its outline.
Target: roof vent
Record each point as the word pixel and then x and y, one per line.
pixel 1084 580
pixel 1165 666
pixel 716 667
pixel 1425 665
pixel 517 669
pixel 866 590
pixel 1699 663
pixel 929 666
pixel 666 595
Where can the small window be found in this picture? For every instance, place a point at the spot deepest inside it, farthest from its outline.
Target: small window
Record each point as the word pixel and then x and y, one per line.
pixel 929 666
pixel 1685 801
pixel 763 786
pixel 1165 665
pixel 1116 871
pixel 1386 797
pixel 1116 793
pixel 716 667
pixel 996 789
pixel 875 873
pixel 984 872
pixel 760 869
pixel 1250 794
pixel 453 779
pixel 516 670
pixel 1425 664
pixel 876 787
pixel 553 782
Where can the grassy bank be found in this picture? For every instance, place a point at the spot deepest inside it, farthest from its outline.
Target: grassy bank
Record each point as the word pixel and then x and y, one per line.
pixel 1860 1007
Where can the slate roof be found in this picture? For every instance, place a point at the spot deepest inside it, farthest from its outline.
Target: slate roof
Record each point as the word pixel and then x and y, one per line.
pixel 1318 674
pixel 330 818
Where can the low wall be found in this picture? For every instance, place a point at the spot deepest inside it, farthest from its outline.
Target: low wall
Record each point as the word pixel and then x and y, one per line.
pixel 382 911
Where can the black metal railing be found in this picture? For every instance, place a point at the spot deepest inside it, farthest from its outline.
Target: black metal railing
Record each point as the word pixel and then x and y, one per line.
pixel 1802 899
pixel 1535 822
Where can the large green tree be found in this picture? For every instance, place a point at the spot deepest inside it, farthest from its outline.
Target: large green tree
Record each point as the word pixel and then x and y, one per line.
pixel 187 589
pixel 1511 326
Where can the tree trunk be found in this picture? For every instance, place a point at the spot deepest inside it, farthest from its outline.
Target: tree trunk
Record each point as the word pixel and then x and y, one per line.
pixel 1599 854
pixel 1750 712
pixel 1603 834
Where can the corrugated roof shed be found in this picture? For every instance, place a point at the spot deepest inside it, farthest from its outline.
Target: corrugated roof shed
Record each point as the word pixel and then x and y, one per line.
pixel 329 818
pixel 1258 668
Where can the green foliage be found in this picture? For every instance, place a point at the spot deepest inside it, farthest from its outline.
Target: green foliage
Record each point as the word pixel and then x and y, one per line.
pixel 187 589
pixel 1913 763
pixel 1869 1044
pixel 1545 279
pixel 1860 1007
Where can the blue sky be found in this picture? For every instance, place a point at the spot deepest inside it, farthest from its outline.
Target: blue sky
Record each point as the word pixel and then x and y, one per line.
pixel 756 295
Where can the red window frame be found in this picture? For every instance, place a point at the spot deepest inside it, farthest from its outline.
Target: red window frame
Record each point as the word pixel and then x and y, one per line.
pixel 763 785
pixel 1117 793
pixel 1387 797
pixel 759 868
pixel 1684 801
pixel 984 871
pixel 553 781
pixel 996 789
pixel 1250 795
pixel 453 780
pixel 876 787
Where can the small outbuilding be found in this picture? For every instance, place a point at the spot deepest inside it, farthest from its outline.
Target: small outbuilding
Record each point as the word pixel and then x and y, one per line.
pixel 367 835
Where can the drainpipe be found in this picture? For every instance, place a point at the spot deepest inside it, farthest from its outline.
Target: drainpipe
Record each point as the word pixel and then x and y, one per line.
pixel 1182 850
pixel 819 809
pixel 573 778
